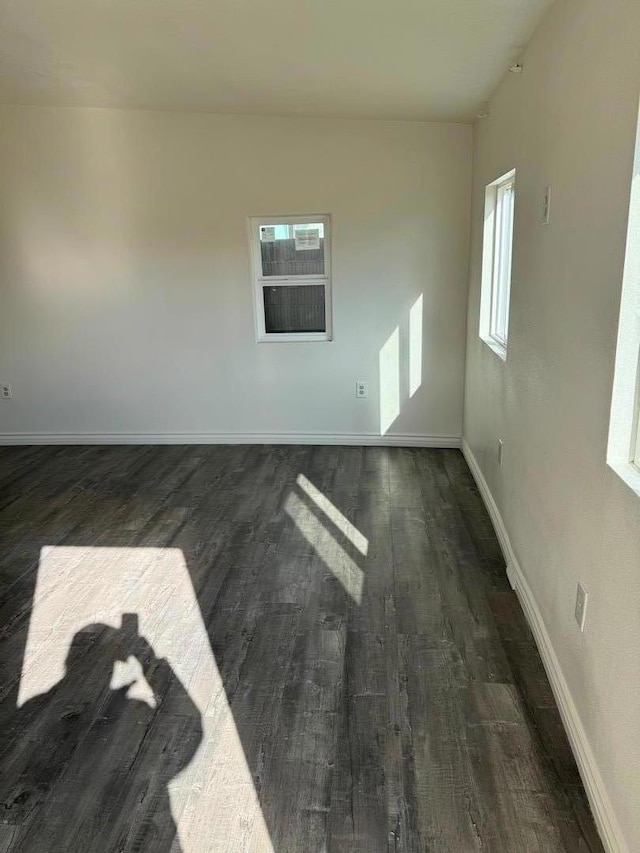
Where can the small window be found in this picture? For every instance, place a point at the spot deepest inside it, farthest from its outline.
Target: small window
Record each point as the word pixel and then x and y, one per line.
pixel 496 262
pixel 291 271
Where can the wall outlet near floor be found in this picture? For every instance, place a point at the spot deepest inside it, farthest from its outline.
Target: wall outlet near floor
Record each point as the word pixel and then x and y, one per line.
pixel 500 451
pixel 362 389
pixel 581 606
pixel 5 392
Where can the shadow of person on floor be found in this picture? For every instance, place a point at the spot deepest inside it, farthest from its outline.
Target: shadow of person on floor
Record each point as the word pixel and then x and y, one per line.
pixel 103 745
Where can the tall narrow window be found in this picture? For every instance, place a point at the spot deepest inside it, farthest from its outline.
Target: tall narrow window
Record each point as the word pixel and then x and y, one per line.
pixel 623 449
pixel 291 276
pixel 496 262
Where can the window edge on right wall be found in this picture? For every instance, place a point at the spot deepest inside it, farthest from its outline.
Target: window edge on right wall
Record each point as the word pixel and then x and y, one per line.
pixel 623 446
pixel 497 256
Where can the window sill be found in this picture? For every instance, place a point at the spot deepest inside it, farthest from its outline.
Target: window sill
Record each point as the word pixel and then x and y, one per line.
pixel 499 349
pixel 628 473
pixel 294 337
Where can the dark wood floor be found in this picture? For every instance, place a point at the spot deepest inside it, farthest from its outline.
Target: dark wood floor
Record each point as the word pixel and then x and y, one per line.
pixel 320 652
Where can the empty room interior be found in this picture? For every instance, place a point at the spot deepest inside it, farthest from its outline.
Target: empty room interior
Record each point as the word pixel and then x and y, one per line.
pixel 320 426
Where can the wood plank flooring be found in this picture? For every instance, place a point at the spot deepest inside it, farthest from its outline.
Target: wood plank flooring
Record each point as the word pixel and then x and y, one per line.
pixel 320 653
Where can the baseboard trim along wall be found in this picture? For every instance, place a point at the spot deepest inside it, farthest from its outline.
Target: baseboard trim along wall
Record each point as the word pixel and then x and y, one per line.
pixel 347 438
pixel 603 813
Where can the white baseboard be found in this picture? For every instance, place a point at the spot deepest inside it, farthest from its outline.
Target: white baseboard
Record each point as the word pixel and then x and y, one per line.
pixel 603 813
pixel 348 438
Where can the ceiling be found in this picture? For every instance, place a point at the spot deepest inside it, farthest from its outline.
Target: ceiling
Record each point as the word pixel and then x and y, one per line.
pixel 396 59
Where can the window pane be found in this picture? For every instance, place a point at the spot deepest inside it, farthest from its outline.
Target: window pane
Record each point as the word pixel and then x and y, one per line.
pixel 308 226
pixel 299 308
pixel 292 250
pixel 502 262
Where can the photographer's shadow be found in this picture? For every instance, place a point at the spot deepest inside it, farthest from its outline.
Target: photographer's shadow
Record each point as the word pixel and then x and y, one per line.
pixel 89 762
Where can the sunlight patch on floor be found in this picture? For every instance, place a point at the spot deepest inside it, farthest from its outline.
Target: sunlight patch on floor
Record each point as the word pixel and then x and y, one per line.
pixel 80 586
pixel 129 674
pixel 333 513
pixel 328 549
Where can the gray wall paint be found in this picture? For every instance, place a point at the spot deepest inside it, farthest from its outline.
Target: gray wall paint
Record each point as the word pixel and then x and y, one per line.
pixel 569 121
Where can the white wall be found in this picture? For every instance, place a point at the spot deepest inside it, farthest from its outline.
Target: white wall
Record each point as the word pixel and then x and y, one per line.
pixel 569 121
pixel 124 270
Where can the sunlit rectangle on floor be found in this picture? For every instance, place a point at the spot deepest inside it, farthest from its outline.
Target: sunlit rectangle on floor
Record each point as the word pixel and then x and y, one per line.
pixel 333 513
pixel 333 555
pixel 80 586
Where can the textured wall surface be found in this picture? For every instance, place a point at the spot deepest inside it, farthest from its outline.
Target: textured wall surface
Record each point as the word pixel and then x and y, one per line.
pixel 568 121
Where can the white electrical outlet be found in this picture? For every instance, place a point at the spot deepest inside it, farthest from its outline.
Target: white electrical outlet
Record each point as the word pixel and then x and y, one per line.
pixel 581 606
pixel 546 206
pixel 500 451
pixel 362 389
pixel 5 392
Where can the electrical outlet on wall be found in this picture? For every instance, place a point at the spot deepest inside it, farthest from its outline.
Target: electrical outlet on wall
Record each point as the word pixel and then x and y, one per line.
pixel 581 606
pixel 500 451
pixel 5 392
pixel 362 389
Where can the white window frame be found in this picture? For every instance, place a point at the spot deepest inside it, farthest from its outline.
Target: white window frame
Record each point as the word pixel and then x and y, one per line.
pixel 497 263
pixel 623 447
pixel 636 449
pixel 259 281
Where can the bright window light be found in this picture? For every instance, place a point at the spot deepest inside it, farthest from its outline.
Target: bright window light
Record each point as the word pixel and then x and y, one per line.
pixel 623 449
pixel 497 262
